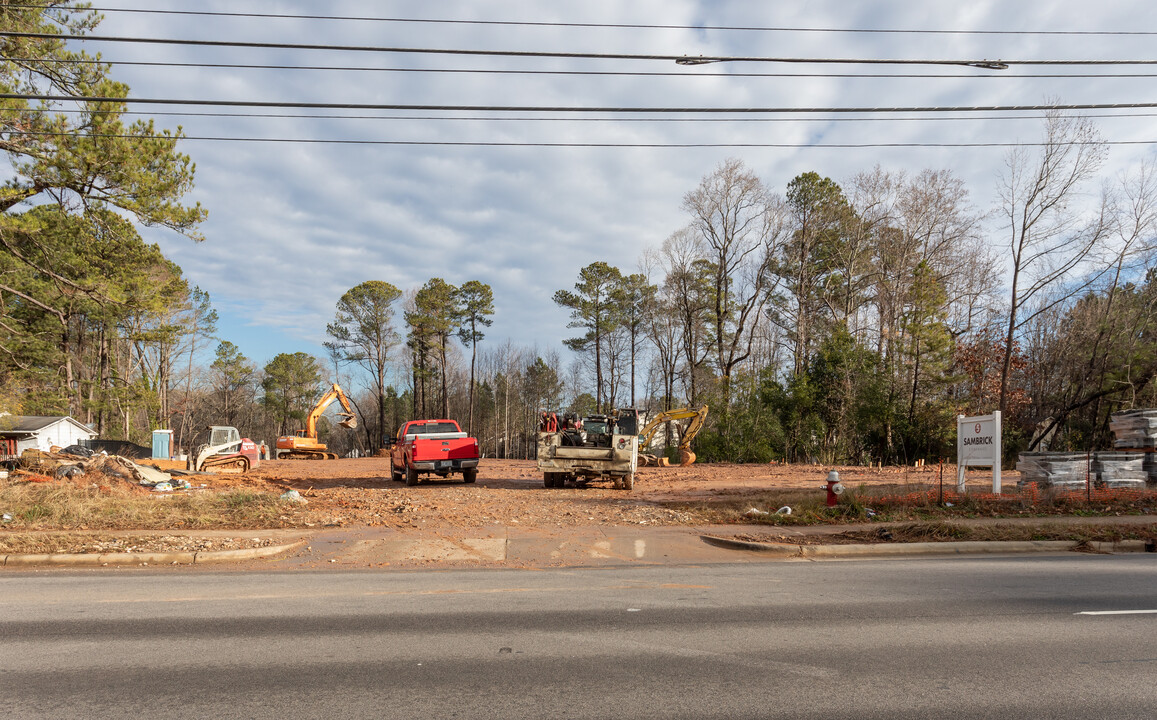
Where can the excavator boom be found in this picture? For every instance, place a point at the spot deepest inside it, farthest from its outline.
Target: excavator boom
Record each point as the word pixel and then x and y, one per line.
pixel 686 457
pixel 348 418
pixel 306 445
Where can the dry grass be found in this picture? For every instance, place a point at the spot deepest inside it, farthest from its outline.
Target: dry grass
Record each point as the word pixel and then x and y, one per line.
pixel 916 503
pixel 957 532
pixel 63 506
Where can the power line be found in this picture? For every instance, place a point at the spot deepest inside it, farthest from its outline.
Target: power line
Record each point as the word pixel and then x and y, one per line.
pixel 629 26
pixel 678 59
pixel 579 108
pixel 603 73
pixel 525 143
pixel 529 118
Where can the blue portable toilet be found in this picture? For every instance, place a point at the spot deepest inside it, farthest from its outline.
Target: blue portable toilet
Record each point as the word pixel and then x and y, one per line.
pixel 162 440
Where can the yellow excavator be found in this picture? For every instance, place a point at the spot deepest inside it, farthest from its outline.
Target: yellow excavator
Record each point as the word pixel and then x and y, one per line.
pixel 304 445
pixel 647 434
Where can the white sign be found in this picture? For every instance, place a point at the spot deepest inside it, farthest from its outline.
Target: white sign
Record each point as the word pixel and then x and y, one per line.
pixel 978 442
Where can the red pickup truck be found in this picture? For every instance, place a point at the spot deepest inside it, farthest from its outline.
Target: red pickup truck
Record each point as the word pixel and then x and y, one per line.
pixel 432 446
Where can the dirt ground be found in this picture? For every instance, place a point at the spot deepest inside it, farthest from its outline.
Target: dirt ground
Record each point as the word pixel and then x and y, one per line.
pixel 510 492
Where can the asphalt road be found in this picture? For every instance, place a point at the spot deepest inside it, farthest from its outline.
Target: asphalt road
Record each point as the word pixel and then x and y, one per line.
pixel 922 638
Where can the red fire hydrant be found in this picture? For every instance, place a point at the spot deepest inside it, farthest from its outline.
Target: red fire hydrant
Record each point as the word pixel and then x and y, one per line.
pixel 834 488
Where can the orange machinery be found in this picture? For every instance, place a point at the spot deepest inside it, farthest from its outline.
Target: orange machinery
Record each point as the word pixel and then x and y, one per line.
pixel 304 445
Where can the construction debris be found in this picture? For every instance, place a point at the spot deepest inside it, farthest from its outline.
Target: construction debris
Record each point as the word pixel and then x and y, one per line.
pixel 71 463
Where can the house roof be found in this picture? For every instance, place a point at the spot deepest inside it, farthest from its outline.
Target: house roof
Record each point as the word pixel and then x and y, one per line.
pixel 30 424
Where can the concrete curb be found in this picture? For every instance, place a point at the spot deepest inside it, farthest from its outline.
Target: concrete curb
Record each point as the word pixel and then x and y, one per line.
pixel 247 554
pixel 785 549
pixel 146 558
pixel 788 550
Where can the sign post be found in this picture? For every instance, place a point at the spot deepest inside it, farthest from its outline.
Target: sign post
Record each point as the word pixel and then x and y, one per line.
pixel 978 442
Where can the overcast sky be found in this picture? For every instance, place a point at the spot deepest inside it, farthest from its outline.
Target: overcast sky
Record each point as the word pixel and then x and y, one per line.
pixel 294 225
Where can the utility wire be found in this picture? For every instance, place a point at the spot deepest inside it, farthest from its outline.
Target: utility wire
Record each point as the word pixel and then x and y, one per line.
pixel 525 143
pixel 530 118
pixel 580 108
pixel 629 26
pixel 603 73
pixel 678 59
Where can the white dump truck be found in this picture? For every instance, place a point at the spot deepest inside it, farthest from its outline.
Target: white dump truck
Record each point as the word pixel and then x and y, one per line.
pixel 597 446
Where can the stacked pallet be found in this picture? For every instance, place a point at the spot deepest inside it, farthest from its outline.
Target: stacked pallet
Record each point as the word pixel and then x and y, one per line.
pixel 1134 429
pixel 1120 469
pixel 1137 430
pixel 1053 469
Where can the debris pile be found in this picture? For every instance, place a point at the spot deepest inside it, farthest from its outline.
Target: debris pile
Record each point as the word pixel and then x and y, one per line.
pixel 77 463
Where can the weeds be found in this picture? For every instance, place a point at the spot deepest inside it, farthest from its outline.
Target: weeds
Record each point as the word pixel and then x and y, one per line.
pixel 34 506
pixel 864 504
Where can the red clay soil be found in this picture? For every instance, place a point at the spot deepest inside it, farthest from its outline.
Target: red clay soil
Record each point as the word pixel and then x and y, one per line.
pixel 510 492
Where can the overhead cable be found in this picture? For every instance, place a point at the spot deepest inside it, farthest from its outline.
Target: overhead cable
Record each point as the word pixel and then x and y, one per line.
pixel 601 26
pixel 597 73
pixel 526 143
pixel 579 108
pixel 683 59
pixel 534 118
pixel 678 59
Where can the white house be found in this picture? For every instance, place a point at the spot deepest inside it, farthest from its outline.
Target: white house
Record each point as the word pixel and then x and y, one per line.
pixel 20 432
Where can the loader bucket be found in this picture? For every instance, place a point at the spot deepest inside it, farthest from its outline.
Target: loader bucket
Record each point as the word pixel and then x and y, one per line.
pixel 686 457
pixel 350 421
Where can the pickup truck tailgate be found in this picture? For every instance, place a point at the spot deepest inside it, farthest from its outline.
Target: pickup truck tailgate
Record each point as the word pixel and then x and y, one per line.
pixel 444 449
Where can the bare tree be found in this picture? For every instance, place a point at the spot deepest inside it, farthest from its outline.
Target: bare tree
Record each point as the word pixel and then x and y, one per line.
pixel 741 226
pixel 1098 348
pixel 1049 238
pixel 686 295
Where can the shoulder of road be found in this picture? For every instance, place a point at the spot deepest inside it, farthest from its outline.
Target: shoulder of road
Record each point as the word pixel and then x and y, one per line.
pixel 582 545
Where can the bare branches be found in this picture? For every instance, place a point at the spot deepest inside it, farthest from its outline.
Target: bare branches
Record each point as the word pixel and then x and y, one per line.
pixel 1050 239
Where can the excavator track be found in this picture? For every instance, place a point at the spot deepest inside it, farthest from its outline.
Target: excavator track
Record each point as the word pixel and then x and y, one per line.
pixel 305 455
pixel 238 463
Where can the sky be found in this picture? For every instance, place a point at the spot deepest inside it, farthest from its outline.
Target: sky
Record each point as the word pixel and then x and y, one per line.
pixel 293 225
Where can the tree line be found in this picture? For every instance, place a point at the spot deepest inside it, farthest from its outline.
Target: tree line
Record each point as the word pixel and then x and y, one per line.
pixel 853 322
pixel 842 322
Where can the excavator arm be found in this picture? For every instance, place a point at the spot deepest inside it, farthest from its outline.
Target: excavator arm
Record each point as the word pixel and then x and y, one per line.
pixel 348 418
pixel 698 417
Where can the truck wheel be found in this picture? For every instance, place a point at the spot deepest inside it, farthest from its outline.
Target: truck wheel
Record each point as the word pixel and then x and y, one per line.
pixel 470 475
pixel 411 476
pixel 629 481
pixel 395 474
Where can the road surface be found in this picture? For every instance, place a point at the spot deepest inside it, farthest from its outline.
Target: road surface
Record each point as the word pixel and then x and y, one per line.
pixel 1050 637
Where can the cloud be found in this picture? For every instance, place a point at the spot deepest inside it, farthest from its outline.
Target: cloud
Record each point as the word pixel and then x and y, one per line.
pixel 293 226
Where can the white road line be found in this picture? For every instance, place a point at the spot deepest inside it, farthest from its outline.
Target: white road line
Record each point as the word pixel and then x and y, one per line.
pixel 1117 612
